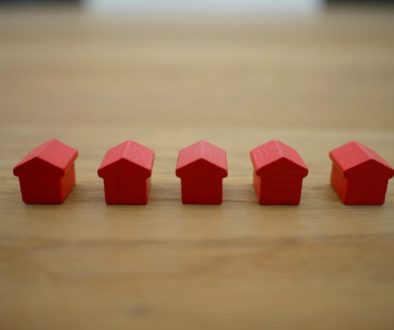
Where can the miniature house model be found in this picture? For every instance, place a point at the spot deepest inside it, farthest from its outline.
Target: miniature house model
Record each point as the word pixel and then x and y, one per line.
pixel 202 167
pixel 126 170
pixel 47 174
pixel 278 173
pixel 359 175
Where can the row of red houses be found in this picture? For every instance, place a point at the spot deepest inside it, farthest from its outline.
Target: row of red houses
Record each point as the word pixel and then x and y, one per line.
pixel 47 173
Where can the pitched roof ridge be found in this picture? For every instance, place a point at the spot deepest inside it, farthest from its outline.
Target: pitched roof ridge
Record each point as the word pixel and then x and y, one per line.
pixel 273 151
pixel 201 148
pixel 129 148
pixel 368 152
pixel 41 148
pixel 363 155
pixel 373 155
pixel 131 152
pixel 44 146
pixel 279 145
pixel 45 154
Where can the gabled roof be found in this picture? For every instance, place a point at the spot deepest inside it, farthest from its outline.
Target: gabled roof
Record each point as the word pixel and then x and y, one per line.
pixel 274 154
pixel 52 156
pixel 202 154
pixel 135 154
pixel 353 155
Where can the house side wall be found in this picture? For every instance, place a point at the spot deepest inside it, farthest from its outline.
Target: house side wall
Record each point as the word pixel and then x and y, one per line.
pixel 256 184
pixel 338 182
pixel 67 182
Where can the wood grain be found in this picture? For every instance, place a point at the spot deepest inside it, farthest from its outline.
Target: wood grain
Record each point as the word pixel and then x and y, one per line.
pixel 92 82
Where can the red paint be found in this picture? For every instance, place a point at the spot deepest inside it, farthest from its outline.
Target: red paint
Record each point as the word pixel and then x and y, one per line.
pixel 278 173
pixel 202 167
pixel 126 170
pixel 47 173
pixel 359 175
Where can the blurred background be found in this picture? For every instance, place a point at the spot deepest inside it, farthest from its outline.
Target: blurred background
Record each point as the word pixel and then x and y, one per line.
pixel 206 68
pixel 221 5
pixel 312 73
pixel 235 56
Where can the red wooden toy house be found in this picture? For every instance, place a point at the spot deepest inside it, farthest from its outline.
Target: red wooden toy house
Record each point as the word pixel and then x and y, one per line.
pixel 359 175
pixel 126 170
pixel 278 173
pixel 202 167
pixel 47 173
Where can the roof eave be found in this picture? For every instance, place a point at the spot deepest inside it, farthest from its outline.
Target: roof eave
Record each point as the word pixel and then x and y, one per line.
pixel 19 168
pixel 303 170
pixel 101 172
pixel 389 172
pixel 180 171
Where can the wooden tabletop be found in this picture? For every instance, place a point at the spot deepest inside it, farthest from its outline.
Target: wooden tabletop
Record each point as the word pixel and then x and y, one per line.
pixel 93 81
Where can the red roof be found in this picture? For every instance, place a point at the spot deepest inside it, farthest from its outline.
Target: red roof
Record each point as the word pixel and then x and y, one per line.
pixel 53 155
pixel 132 152
pixel 352 155
pixel 199 152
pixel 277 153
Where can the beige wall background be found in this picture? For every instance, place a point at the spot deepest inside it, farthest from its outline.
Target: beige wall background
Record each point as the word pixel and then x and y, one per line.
pixel 206 5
